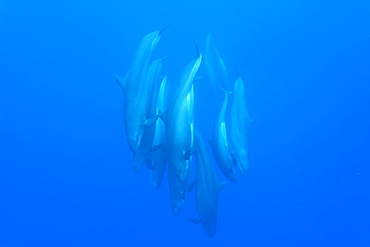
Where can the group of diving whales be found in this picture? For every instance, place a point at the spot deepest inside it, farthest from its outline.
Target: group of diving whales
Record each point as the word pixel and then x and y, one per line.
pixel 160 129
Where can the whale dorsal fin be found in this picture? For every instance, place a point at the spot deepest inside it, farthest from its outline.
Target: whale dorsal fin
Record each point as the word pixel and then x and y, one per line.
pixel 121 81
pixel 194 221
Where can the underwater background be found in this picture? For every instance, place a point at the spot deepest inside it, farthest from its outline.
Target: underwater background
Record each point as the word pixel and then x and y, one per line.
pixel 66 176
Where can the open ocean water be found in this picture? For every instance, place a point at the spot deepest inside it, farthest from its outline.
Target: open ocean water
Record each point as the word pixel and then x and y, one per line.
pixel 66 176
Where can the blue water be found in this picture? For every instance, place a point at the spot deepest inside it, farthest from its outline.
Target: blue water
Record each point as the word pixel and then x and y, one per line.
pixel 66 176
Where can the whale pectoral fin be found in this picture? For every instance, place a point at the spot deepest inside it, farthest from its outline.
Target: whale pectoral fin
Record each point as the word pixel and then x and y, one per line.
pixel 222 185
pixel 162 115
pixel 121 81
pixel 251 121
pixel 191 186
pixel 149 164
pixel 191 151
pixel 197 78
pixel 150 121
pixel 194 221
pixel 157 147
pixel 232 151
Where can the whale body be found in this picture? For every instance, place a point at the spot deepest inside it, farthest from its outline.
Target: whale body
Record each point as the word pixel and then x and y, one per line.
pixel 159 157
pixel 207 189
pixel 137 91
pixel 179 125
pixel 220 144
pixel 240 124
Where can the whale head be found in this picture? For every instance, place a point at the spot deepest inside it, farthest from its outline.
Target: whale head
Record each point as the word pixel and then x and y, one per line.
pixel 177 206
pixel 139 161
pixel 134 141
